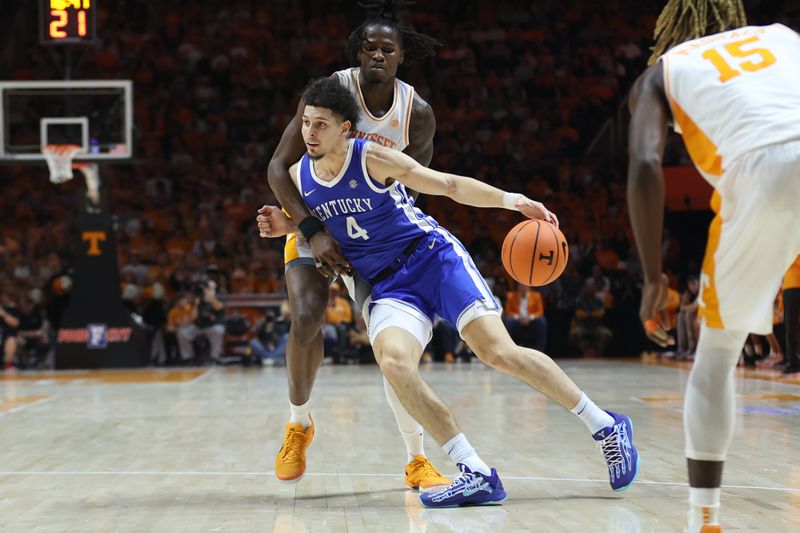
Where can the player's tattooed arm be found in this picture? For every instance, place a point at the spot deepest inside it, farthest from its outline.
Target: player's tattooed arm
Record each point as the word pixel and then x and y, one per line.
pixel 650 117
pixel 384 164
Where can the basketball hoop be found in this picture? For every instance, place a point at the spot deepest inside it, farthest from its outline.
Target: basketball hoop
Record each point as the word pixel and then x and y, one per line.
pixel 59 160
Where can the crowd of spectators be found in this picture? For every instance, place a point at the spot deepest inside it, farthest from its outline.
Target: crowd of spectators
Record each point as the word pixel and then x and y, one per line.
pixel 519 90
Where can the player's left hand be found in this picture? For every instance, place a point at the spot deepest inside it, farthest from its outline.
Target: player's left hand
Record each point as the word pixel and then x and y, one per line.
pixel 654 299
pixel 535 210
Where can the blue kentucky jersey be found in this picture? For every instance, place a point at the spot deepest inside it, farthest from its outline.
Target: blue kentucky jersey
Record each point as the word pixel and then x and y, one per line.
pixel 372 223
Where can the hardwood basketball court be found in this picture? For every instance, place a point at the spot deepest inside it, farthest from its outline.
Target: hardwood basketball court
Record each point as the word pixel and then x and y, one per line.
pixel 192 450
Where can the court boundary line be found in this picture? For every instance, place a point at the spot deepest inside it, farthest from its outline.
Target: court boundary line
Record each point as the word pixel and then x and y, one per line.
pixel 27 405
pixel 741 373
pixel 201 377
pixel 189 473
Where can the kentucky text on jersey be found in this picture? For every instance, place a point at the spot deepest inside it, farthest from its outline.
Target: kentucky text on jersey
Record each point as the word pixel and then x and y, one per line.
pixel 343 206
pixel 374 137
pixel 371 221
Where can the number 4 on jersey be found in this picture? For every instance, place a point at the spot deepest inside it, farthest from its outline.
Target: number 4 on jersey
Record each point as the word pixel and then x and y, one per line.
pixel 354 231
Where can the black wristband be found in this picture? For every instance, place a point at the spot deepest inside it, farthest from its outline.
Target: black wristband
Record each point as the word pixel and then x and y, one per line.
pixel 310 226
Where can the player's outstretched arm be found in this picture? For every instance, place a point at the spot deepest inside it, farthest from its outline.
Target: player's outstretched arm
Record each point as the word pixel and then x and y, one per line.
pixel 384 163
pixel 650 118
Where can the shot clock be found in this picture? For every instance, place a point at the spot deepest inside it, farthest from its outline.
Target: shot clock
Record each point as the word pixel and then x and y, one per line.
pixel 67 21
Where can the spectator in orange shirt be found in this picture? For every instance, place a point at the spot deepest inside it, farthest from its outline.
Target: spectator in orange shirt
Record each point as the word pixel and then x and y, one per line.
pixel 264 282
pixel 588 333
pixel 606 257
pixel 182 313
pixel 524 317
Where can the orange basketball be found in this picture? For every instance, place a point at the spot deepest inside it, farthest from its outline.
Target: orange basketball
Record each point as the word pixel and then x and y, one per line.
pixel 535 253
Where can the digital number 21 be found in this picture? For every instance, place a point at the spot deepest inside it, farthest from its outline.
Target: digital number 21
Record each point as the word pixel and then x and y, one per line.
pixel 726 71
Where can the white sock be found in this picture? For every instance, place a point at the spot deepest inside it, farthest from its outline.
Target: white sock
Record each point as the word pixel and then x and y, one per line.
pixel 298 414
pixel 703 508
pixel 413 434
pixel 461 451
pixel 591 415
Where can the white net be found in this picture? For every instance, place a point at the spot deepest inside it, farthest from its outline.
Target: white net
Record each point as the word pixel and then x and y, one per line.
pixel 59 160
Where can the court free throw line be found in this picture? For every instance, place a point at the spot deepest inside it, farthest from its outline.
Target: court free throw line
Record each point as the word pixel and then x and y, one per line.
pixel 354 474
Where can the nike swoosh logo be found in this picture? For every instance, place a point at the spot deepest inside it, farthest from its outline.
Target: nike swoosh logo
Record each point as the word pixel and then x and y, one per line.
pixel 433 242
pixel 309 192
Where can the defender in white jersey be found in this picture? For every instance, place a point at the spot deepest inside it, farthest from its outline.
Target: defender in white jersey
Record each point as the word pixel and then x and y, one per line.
pixel 735 98
pixel 395 116
pixel 390 130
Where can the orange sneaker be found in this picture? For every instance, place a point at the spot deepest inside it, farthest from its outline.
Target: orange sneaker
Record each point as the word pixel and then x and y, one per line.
pixel 422 475
pixel 711 529
pixel 290 464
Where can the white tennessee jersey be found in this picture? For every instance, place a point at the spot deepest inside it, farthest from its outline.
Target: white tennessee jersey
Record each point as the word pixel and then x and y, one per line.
pixel 390 130
pixel 734 92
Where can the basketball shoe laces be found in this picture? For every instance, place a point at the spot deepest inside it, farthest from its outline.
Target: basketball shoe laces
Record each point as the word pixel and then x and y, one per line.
pixel 468 482
pixel 294 443
pixel 424 467
pixel 612 448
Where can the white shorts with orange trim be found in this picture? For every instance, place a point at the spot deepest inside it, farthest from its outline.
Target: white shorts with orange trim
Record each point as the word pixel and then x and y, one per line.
pixel 753 240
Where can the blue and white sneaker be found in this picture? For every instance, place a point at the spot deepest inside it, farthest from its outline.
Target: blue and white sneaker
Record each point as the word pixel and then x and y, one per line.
pixel 469 488
pixel 621 456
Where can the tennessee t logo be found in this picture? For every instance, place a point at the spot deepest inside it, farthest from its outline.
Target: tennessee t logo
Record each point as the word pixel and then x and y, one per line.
pixel 94 238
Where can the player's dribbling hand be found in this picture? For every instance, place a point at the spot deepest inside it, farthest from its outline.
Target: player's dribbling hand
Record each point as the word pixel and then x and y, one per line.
pixel 654 299
pixel 328 256
pixel 535 210
pixel 272 222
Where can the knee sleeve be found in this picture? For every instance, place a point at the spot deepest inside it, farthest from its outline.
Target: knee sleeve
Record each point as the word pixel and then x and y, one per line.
pixel 709 409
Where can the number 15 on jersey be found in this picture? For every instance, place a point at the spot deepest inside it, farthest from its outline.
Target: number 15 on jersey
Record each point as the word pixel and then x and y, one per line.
pixel 747 59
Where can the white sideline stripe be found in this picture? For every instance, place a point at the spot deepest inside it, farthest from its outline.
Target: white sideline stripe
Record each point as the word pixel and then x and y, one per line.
pixel 201 377
pixel 354 474
pixel 27 405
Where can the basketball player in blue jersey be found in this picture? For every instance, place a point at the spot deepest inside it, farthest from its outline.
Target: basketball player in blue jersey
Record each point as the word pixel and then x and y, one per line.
pixel 356 190
pixel 394 115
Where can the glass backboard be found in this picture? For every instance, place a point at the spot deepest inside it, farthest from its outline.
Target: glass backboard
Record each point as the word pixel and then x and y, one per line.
pixel 94 114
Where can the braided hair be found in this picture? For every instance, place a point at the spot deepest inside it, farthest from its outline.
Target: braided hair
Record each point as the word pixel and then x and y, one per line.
pixel 682 20
pixel 417 46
